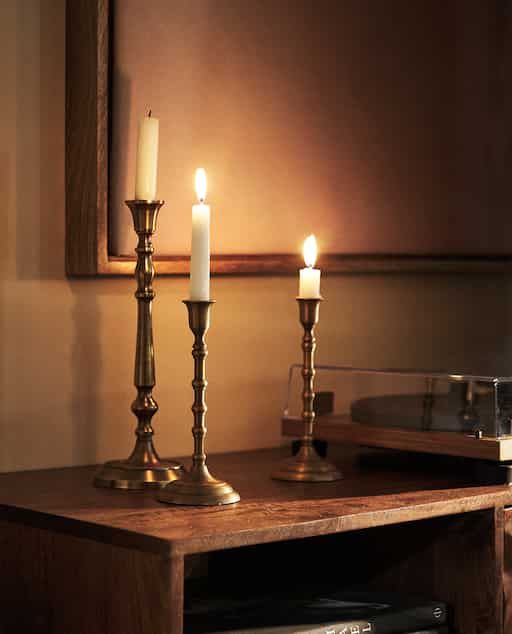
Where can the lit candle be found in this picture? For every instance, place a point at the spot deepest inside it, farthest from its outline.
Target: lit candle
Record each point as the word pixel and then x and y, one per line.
pixel 200 260
pixel 309 281
pixel 147 159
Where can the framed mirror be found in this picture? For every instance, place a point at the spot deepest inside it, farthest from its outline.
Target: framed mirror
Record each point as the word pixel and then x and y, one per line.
pixel 380 127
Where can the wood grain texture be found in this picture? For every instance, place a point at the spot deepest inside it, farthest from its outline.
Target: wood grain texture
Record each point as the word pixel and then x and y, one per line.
pixel 77 560
pixel 87 99
pixel 58 584
pixel 175 595
pixel 343 430
pixel 507 573
pixel 287 264
pixel 64 500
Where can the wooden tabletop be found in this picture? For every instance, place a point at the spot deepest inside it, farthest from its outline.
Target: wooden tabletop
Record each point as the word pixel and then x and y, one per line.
pixel 370 495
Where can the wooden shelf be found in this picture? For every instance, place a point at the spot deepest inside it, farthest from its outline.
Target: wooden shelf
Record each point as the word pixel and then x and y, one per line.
pixel 80 559
pixel 342 429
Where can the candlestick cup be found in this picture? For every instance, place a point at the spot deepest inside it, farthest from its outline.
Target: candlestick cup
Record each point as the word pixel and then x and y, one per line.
pixel 143 468
pixel 307 465
pixel 198 487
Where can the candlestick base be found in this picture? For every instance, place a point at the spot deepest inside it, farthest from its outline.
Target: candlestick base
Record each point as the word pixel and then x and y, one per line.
pixel 143 469
pixel 198 488
pixel 121 474
pixel 307 466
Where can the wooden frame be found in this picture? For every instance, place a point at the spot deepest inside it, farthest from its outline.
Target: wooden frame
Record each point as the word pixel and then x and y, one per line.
pixel 88 29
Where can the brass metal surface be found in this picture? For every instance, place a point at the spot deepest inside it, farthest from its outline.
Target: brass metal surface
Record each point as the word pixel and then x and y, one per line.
pixel 307 465
pixel 198 487
pixel 143 468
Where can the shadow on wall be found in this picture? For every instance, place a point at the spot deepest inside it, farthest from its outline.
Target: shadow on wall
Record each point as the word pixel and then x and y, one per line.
pixel 8 70
pixel 8 198
pixel 86 367
pixel 40 139
pixel 8 205
pixel 120 223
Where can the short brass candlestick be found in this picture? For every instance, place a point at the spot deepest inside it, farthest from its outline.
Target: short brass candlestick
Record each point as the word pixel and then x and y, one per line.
pixel 143 468
pixel 197 487
pixel 307 465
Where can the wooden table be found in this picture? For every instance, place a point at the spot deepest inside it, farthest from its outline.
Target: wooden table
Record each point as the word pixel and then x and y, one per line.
pixel 77 560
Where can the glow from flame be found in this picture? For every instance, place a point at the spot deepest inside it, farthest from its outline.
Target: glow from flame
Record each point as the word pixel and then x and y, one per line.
pixel 310 250
pixel 201 184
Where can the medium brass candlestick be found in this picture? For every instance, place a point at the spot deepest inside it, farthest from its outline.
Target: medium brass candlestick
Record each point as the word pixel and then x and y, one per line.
pixel 143 468
pixel 307 465
pixel 198 487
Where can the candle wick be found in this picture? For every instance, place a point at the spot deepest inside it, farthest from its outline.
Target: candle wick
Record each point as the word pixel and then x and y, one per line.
pixel 149 112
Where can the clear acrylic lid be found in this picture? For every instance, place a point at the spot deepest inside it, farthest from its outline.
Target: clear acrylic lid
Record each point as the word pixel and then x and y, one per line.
pixel 406 398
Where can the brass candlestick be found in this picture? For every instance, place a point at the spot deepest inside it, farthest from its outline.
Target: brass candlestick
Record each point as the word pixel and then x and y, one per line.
pixel 143 468
pixel 198 487
pixel 307 465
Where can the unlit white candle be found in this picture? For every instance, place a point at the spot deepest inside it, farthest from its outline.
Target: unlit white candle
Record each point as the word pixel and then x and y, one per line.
pixel 309 277
pixel 147 159
pixel 200 259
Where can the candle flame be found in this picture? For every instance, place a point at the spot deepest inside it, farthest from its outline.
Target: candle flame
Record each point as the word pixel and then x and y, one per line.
pixel 201 184
pixel 310 251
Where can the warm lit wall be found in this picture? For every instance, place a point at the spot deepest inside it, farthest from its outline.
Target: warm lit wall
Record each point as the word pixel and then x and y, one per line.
pixel 67 345
pixel 381 118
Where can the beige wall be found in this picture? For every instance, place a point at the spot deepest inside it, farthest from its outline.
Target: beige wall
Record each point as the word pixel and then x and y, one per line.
pixel 67 346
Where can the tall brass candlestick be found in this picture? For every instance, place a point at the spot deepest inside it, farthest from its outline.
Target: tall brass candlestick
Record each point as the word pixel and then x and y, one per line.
pixel 307 465
pixel 198 487
pixel 143 468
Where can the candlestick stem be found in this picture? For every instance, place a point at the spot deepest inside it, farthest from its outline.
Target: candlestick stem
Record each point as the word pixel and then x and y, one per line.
pixel 143 468
pixel 198 487
pixel 199 384
pixel 307 465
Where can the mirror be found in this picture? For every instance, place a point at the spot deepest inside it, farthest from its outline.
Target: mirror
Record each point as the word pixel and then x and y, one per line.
pixel 376 125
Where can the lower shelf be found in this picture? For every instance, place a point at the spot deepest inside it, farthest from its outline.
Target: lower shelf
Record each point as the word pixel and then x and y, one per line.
pixel 427 558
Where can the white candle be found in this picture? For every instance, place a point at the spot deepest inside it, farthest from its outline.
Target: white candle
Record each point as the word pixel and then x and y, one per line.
pixel 309 277
pixel 200 260
pixel 147 159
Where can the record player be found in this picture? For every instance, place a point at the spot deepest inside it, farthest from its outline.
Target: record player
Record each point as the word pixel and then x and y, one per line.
pixel 433 412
